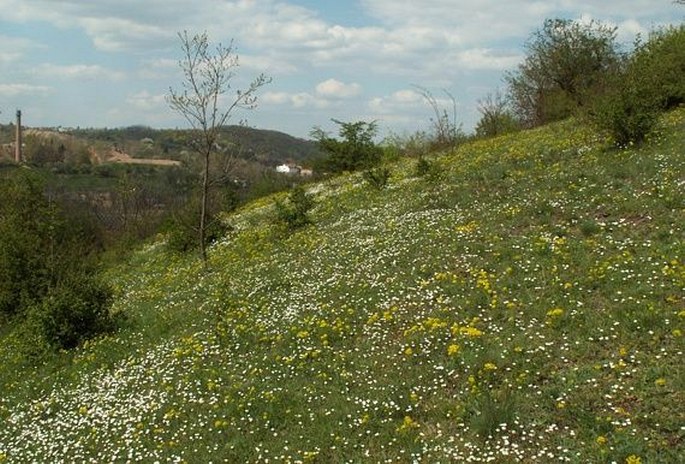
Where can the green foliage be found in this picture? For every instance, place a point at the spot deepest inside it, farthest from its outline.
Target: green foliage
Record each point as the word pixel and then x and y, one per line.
pixel 74 311
pixel 49 280
pixel 650 83
pixel 661 60
pixel 411 145
pixel 294 213
pixel 496 117
pixel 565 67
pixel 541 276
pixel 355 151
pixel 377 177
pixel 423 167
pixel 181 226
pixel 27 234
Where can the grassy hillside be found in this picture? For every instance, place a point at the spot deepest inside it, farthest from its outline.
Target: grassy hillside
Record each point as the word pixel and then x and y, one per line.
pixel 523 302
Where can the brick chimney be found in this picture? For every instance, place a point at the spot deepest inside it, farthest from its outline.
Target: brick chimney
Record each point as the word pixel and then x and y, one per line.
pixel 17 142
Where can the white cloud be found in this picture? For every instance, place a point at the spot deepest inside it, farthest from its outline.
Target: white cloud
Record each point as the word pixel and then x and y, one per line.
pixel 14 48
pixel 486 58
pixel 333 88
pixel 80 71
pixel 298 100
pixel 146 101
pixel 13 90
pixel 452 44
pixel 400 101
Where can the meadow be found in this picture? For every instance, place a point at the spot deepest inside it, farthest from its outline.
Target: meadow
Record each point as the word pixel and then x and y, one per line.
pixel 523 301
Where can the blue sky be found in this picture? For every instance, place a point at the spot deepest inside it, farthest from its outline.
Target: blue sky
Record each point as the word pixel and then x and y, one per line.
pixel 109 63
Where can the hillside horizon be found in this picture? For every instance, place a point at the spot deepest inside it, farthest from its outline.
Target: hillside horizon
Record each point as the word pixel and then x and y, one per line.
pixel 517 299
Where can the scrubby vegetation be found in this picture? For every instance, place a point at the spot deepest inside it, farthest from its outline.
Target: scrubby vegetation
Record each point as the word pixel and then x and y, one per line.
pixel 527 307
pixel 515 297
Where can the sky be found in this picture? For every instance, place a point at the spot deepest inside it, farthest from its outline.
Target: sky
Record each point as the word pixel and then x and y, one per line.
pixel 110 63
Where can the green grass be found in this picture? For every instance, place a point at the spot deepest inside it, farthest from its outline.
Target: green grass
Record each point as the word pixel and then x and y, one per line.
pixel 523 304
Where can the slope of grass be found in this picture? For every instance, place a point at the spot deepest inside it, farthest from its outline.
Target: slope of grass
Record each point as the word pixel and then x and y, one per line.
pixel 524 304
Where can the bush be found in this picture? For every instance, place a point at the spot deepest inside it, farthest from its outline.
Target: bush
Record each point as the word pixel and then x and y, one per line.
pixel 410 145
pixel 650 83
pixel 295 212
pixel 497 118
pixel 565 67
pixel 355 151
pixel 73 312
pixel 182 234
pixel 377 178
pixel 28 229
pixel 627 113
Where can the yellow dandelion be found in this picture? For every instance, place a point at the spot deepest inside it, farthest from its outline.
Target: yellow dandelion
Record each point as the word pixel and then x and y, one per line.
pixel 660 382
pixel 556 312
pixel 601 440
pixel 452 350
pixel 407 424
pixel 489 366
pixel 632 459
pixel 408 351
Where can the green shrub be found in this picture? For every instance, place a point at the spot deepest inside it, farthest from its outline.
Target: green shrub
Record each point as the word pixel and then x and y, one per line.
pixel 377 177
pixel 182 235
pixel 355 151
pixel 295 212
pixel 626 115
pixel 650 83
pixel 73 312
pixel 423 167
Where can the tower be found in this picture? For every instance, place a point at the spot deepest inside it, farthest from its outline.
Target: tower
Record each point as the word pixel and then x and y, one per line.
pixel 17 141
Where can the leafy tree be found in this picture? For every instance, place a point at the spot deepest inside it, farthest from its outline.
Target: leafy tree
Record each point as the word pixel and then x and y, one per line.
pixel 650 83
pixel 355 151
pixel 48 280
pixel 566 65
pixel 27 236
pixel 662 60
pixel 208 77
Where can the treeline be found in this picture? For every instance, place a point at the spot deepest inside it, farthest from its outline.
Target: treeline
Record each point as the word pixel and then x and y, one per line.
pixel 579 69
pixel 50 292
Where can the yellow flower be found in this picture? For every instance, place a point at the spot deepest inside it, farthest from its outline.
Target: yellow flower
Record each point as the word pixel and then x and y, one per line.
pixel 407 424
pixel 408 351
pixel 601 440
pixel 556 312
pixel 471 332
pixel 452 349
pixel 489 366
pixel 660 382
pixel 632 459
pixel 677 333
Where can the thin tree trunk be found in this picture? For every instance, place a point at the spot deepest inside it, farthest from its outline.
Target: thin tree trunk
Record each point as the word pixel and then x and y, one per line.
pixel 203 210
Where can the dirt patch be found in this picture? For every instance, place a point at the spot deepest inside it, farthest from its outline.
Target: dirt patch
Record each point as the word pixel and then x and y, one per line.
pixel 116 156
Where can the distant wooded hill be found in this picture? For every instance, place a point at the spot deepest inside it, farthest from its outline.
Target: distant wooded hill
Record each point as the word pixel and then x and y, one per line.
pixel 267 147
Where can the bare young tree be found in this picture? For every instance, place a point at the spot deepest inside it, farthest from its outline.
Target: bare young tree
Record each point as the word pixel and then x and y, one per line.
pixel 207 100
pixel 447 131
pixel 496 116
